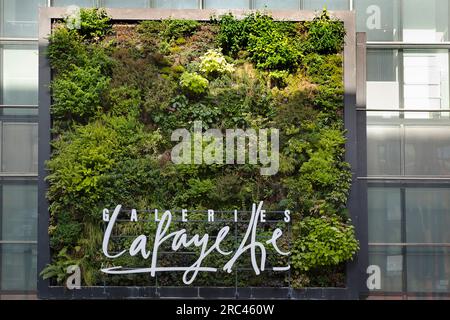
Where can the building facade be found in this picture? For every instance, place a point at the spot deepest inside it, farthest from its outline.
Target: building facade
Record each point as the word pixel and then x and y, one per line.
pixel 408 136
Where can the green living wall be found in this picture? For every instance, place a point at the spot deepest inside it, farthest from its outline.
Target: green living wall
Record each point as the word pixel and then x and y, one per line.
pixel 119 90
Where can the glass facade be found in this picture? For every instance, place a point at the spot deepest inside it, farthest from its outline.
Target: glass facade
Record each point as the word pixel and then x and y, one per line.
pixel 408 148
pixel 408 135
pixel 18 144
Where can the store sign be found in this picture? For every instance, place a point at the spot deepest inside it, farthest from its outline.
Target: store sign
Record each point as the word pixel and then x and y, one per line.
pixel 180 239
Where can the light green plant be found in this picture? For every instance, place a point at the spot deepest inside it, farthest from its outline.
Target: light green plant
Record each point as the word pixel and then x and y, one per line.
pixel 323 241
pixel 213 64
pixel 193 83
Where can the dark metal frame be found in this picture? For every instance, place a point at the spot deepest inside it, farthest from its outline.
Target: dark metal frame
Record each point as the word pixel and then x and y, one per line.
pixel 354 84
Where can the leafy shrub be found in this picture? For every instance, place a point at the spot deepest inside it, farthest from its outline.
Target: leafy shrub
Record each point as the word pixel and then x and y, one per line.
pixel 324 35
pixel 125 101
pixel 324 69
pixel 213 63
pixel 77 94
pixel 193 83
pixel 95 23
pixel 234 34
pixel 199 112
pixel 176 28
pixel 150 27
pixel 273 51
pixel 231 37
pixel 270 43
pixel 83 160
pixel 323 241
pixel 65 48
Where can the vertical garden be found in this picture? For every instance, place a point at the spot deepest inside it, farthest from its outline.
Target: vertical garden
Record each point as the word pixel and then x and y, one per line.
pixel 119 91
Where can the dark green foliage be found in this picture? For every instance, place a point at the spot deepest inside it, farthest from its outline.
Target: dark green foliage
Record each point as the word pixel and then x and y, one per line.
pixel 95 23
pixel 324 35
pixel 272 45
pixel 125 101
pixel 65 231
pixel 118 98
pixel 274 51
pixel 66 48
pixel 173 29
pixel 77 93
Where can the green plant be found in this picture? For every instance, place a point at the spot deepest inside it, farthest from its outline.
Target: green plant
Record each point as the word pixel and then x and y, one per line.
pixel 65 48
pixel 213 64
pixel 150 28
pixel 323 241
pixel 274 51
pixel 77 93
pixel 95 23
pixel 193 83
pixel 324 35
pixel 270 44
pixel 59 269
pixel 176 28
pixel 125 101
pixel 278 78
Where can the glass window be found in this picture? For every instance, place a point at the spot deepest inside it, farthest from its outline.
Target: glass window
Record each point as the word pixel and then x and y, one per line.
pixel 403 144
pixel 173 4
pixel 384 215
pixel 427 215
pixel 427 148
pixel 428 269
pixel 276 4
pixel 378 18
pixel 19 147
pixel 19 75
pixel 426 80
pixel 390 261
pixel 80 3
pixel 125 4
pixel 383 145
pixel 425 21
pixel 232 4
pixel 382 79
pixel 328 4
pixel 18 266
pixel 19 18
pixel 19 211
